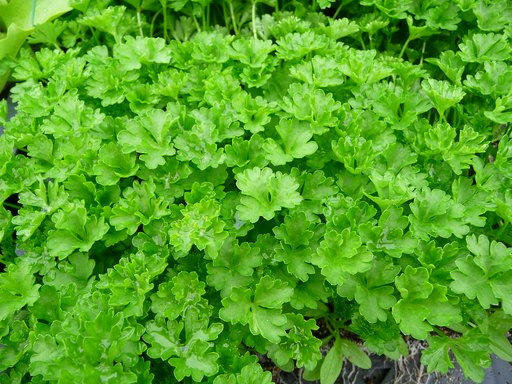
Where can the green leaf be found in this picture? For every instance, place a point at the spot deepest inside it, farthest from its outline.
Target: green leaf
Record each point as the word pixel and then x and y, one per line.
pixel 20 12
pixel 469 350
pixel 362 67
pixel 107 81
pixel 47 357
pixel 410 311
pixel 43 202
pixel 111 20
pixel 211 47
pixel 482 47
pixel 442 94
pixel 253 112
pixel 198 147
pixel 249 374
pixel 300 345
pixel 324 3
pixel 392 8
pixel 381 337
pixel 297 45
pixel 265 192
pixel 441 15
pixel 340 255
pixel 5 221
pixel 76 269
pixel 200 226
pixel 139 51
pixel 175 296
pixel 113 164
pixel 251 52
pixel 332 364
pixel 355 355
pixel 233 267
pixel 437 356
pixel 245 153
pixel 434 213
pixel 163 337
pixel 451 64
pixel 150 135
pixel 295 136
pixel 340 27
pixel 494 80
pixel 492 16
pixel 311 293
pixel 271 294
pixel 484 276
pixel 75 229
pixel 312 105
pixel 372 292
pixel 139 206
pixel 17 288
pixel 320 71
pixel 411 316
pixel 496 326
pixel 130 280
pixel 263 312
pixel 413 283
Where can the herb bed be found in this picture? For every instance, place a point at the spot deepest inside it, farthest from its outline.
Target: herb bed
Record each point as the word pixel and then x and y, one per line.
pixel 197 183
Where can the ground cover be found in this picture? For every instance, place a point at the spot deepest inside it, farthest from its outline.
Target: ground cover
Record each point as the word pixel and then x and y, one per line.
pixel 188 186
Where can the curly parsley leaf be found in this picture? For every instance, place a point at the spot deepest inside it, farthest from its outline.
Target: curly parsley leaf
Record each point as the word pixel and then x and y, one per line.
pixel 75 229
pixel 260 309
pixel 265 192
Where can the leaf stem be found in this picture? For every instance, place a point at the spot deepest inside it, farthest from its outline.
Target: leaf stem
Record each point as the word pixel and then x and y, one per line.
pixel 166 38
pixel 226 18
pixel 208 7
pixel 10 205
pixel 329 327
pixel 139 23
pixel 233 20
pixel 338 10
pixel 152 27
pixel 196 23
pixel 362 42
pixel 253 13
pixel 423 51
pixel 501 230
pixel 33 17
pixel 404 47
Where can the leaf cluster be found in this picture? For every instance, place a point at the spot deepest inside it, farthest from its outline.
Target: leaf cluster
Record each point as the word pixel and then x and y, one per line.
pixel 188 184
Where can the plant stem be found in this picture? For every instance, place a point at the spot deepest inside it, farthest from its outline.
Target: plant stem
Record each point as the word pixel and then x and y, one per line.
pixel 423 51
pixel 501 230
pixel 362 42
pixel 208 14
pixel 139 23
pixel 226 18
pixel 14 206
pixel 152 27
pixel 404 47
pixel 253 12
pixel 338 11
pixel 233 20
pixel 196 23
pixel 165 23
pixel 33 11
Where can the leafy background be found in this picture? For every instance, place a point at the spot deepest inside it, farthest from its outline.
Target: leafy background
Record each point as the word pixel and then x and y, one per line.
pixel 189 183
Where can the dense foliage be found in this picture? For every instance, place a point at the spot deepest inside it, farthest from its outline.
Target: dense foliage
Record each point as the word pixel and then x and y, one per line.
pixel 187 184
